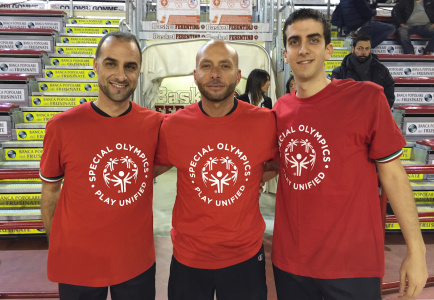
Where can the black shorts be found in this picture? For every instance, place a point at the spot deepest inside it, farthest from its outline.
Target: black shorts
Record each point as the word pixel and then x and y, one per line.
pixel 294 287
pixel 141 287
pixel 243 281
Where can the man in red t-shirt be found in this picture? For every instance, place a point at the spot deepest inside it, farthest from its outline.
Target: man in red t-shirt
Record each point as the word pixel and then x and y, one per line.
pixel 99 222
pixel 328 238
pixel 218 146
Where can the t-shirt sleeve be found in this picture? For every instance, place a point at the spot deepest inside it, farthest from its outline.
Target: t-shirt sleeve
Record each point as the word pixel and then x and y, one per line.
pixel 51 167
pixel 162 153
pixel 385 138
pixel 274 149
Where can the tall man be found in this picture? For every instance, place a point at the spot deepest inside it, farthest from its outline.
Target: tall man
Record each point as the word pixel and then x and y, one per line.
pixel 99 223
pixel 218 147
pixel 414 17
pixel 362 65
pixel 328 239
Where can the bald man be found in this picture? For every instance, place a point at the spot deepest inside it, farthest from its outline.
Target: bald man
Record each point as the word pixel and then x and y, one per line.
pixel 219 146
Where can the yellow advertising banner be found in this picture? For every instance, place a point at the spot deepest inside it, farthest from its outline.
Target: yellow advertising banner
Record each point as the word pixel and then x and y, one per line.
pixel 334 33
pixel 81 21
pixel 70 74
pixel 30 134
pixel 81 39
pixel 423 226
pixel 336 43
pixel 332 64
pixel 415 176
pixel 340 53
pixel 72 61
pixel 89 30
pixel 406 153
pixel 20 200
pixel 21 180
pixel 75 50
pixel 23 153
pixel 68 87
pixel 39 116
pixel 60 101
pixel 22 231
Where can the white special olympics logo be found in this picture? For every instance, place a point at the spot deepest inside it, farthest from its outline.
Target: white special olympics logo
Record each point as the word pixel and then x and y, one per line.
pixel 120 172
pixel 305 155
pixel 219 172
pixel 300 160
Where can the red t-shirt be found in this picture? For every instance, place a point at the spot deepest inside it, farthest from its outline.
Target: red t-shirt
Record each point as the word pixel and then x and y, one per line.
pixel 102 230
pixel 216 218
pixel 328 220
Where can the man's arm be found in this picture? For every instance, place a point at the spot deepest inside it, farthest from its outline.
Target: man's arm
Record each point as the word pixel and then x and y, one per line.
pixel 389 89
pixel 158 170
pixel 49 198
pixel 395 182
pixel 271 170
pixel 337 73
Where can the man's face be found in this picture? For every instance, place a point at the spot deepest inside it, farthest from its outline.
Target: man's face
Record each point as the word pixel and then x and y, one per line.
pixel 118 69
pixel 362 50
pixel 217 72
pixel 306 50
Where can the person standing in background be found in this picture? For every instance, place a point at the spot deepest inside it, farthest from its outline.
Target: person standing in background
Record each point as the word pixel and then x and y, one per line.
pixel 257 86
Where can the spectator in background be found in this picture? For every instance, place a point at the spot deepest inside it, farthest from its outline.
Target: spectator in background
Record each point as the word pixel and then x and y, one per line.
pixel 358 16
pixel 257 85
pixel 414 17
pixel 362 65
pixel 290 84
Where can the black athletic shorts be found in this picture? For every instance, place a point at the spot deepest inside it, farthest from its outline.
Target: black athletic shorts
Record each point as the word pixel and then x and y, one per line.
pixel 294 287
pixel 243 281
pixel 141 287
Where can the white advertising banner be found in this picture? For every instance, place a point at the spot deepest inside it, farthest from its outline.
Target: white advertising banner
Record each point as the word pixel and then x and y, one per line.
pixel 18 67
pixel 26 44
pixel 95 6
pixel 12 95
pixel 414 97
pixel 230 12
pixel 178 12
pixel 420 128
pixel 236 36
pixel 31 24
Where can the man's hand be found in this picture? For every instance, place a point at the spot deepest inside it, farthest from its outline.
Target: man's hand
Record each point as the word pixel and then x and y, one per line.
pixel 403 25
pixel 431 26
pixel 414 270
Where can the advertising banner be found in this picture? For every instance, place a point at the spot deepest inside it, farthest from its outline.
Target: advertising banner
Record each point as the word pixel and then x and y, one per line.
pixel 39 116
pixel 72 61
pixel 30 134
pixel 178 11
pixel 60 101
pixel 75 50
pixel 230 12
pixel 70 73
pixel 25 44
pixel 68 87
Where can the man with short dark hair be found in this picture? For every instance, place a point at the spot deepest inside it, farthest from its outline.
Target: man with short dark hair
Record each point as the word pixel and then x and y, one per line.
pixel 218 146
pixel 328 240
pixel 414 17
pixel 99 223
pixel 362 65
